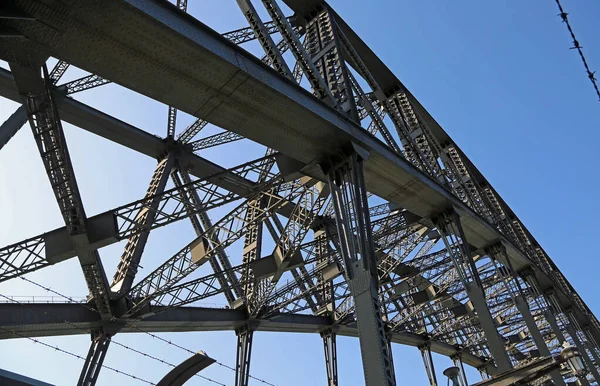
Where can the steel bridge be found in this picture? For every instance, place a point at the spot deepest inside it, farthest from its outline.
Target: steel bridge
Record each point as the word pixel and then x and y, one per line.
pixel 362 219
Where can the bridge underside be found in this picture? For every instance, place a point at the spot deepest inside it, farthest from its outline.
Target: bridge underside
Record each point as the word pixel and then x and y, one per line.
pixel 383 228
pixel 175 59
pixel 30 321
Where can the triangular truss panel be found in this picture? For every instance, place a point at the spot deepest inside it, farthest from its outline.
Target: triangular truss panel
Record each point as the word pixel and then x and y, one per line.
pixel 323 197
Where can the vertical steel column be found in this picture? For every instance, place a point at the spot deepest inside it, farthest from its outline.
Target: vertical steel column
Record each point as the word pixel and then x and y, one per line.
pixel 573 328
pixel 349 195
pixel 389 345
pixel 172 114
pixel 554 307
pixel 449 227
pixel 525 311
pixel 330 350
pixel 582 351
pixel 515 290
pixel 428 362
pixel 528 276
pixel 592 344
pixel 93 361
pixel 325 295
pixel 551 319
pixel 457 360
pixel 483 372
pixel 244 352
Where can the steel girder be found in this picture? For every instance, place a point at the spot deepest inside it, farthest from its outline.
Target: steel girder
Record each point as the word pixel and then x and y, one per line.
pixel 94 360
pixel 42 113
pixel 456 296
pixel 30 321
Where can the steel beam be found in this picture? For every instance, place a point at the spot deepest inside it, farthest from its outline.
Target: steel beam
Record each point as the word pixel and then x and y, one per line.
pixel 592 344
pixel 554 308
pixel 274 57
pixel 389 340
pixel 201 222
pixel 330 351
pixel 131 137
pixel 462 377
pixel 591 367
pixel 31 321
pixel 573 329
pixel 171 122
pixel 186 370
pixel 525 311
pixel 349 195
pixel 428 362
pixel 302 57
pixel 82 84
pixel 58 71
pixel 325 51
pixel 191 131
pixel 47 130
pixel 513 286
pixel 319 128
pixel 244 355
pixel 286 255
pixel 93 361
pixel 10 127
pixel 128 220
pixel 450 228
pixel 130 259
pixel 215 140
pixel 172 114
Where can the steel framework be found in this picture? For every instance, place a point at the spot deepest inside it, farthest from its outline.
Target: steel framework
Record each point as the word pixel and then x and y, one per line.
pixel 363 218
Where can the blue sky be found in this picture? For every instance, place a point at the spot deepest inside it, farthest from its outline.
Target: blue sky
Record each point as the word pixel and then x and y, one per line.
pixel 498 76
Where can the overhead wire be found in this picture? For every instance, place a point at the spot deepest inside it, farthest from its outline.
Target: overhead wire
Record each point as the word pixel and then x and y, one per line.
pixel 591 74
pixel 64 321
pixel 71 300
pixel 56 348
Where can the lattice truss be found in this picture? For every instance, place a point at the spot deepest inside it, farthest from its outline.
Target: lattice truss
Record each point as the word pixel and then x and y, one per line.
pixel 287 256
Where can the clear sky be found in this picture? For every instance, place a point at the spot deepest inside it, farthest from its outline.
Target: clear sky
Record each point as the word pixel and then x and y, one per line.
pixel 497 75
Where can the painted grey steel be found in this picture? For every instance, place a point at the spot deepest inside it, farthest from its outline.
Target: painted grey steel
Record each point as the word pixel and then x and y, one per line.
pixel 93 361
pixel 462 376
pixel 10 127
pixel 520 375
pixel 536 335
pixel 186 370
pixel 451 229
pixel 518 296
pixel 130 259
pixel 421 202
pixel 8 378
pixel 589 362
pixel 33 323
pixel 349 197
pixel 245 336
pixel 330 351
pixel 363 218
pixel 429 365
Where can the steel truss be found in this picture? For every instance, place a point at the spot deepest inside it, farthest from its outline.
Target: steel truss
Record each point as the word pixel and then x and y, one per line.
pixel 363 218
